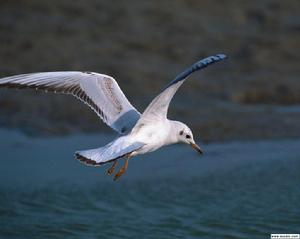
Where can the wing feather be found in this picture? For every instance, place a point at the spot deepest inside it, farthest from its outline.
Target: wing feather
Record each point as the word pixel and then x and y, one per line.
pixel 100 92
pixel 158 108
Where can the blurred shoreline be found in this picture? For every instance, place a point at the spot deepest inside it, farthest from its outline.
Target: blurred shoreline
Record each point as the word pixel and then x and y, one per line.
pixel 210 120
pixel 56 154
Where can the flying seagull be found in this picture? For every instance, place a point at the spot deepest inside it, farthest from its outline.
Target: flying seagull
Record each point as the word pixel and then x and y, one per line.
pixel 140 133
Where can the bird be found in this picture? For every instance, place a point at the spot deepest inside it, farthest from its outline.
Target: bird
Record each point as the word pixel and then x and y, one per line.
pixel 139 133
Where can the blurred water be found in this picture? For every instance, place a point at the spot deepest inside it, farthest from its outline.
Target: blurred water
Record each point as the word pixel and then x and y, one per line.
pixel 236 190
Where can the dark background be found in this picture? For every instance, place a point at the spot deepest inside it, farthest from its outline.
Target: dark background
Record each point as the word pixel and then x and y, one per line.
pixel 144 45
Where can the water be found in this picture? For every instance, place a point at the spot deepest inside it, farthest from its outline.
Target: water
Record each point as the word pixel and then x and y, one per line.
pixel 237 190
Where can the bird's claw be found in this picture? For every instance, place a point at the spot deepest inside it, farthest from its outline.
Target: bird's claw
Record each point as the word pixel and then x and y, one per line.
pixel 123 169
pixel 110 171
pixel 119 174
pixel 112 168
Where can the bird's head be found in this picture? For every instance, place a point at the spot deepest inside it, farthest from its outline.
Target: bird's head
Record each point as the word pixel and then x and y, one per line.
pixel 185 135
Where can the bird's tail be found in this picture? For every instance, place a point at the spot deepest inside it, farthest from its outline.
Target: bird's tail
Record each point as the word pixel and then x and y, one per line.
pixel 110 152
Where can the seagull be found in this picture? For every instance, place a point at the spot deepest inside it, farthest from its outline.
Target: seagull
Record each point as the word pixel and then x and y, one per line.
pixel 139 133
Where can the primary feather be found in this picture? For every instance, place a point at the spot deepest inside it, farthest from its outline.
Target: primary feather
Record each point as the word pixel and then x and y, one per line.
pixel 100 92
pixel 158 108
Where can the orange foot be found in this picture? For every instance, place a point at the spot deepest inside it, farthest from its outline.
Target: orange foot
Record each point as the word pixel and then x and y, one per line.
pixel 123 169
pixel 112 168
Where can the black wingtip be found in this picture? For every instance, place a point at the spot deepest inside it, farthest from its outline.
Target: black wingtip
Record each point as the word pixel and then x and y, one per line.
pixel 86 160
pixel 221 56
pixel 208 60
pixel 203 63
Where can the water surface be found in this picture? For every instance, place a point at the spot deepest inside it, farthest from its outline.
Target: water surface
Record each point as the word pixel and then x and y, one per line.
pixel 236 190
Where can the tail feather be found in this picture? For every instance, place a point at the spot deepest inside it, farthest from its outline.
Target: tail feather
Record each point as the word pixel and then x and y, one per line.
pixel 108 153
pixel 88 161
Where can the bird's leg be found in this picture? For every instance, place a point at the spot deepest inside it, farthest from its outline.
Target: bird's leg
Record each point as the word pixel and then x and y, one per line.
pixel 112 168
pixel 124 168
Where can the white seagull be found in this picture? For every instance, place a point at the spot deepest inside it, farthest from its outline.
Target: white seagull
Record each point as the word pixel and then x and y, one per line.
pixel 140 133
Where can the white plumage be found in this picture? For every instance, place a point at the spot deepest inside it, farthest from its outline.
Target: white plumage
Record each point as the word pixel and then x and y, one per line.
pixel 101 92
pixel 141 133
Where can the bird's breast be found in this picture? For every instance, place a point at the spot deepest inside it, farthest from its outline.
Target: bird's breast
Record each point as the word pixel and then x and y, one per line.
pixel 153 135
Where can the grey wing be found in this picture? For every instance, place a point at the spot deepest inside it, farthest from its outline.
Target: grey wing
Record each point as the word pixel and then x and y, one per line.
pixel 100 92
pixel 158 108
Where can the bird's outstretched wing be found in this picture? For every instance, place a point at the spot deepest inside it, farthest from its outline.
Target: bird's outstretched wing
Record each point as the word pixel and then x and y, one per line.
pixel 158 108
pixel 101 92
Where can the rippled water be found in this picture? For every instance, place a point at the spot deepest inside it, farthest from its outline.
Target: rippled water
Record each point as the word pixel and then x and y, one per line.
pixel 237 190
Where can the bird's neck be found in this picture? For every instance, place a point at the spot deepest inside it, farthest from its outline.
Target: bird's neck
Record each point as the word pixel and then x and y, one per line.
pixel 173 136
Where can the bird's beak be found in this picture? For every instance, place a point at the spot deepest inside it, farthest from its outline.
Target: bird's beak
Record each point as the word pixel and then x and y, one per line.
pixel 197 148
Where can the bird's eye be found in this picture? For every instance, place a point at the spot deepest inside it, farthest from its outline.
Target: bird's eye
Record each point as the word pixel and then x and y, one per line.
pixel 188 136
pixel 181 132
